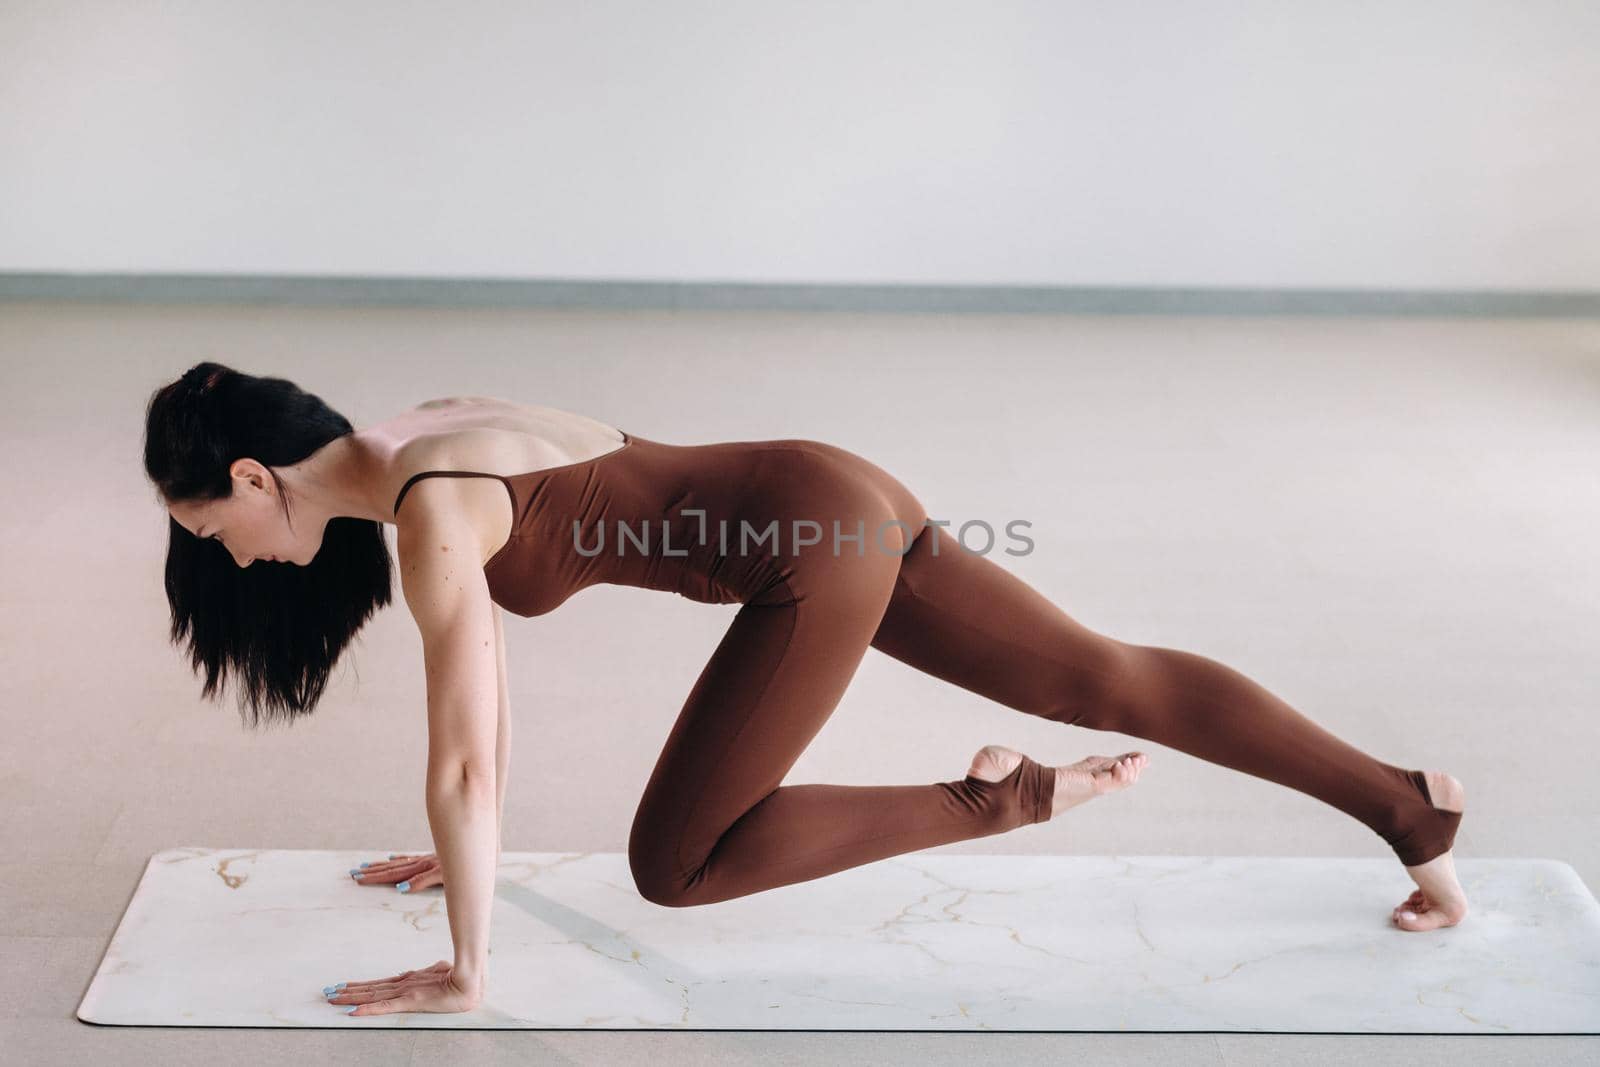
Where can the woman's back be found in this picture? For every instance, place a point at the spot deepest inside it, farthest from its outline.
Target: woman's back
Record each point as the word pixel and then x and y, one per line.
pixel 485 434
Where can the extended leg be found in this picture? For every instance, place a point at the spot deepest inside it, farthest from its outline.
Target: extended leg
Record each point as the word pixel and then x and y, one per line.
pixel 965 618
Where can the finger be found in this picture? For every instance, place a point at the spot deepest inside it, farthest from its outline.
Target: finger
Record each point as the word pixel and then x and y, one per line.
pixel 404 1002
pixel 370 983
pixel 367 994
pixel 367 987
pixel 409 861
pixel 389 877
pixel 392 872
pixel 397 861
pixel 426 880
pixel 401 979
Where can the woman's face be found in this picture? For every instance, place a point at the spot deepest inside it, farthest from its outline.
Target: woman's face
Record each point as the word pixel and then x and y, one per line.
pixel 250 524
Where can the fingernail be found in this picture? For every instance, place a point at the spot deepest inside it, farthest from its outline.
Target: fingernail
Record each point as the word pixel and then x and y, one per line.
pixel 351 1009
pixel 329 990
pixel 404 887
pixel 355 872
pixel 392 855
pixel 365 865
pixel 1408 915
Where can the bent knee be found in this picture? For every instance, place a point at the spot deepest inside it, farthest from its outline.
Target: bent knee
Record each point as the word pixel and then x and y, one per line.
pixel 666 894
pixel 1092 688
pixel 655 874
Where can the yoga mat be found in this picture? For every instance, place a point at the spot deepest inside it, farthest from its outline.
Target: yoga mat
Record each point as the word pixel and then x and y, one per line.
pixel 926 941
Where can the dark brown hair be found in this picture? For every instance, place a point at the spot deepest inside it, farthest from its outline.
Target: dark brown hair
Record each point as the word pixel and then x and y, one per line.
pixel 278 628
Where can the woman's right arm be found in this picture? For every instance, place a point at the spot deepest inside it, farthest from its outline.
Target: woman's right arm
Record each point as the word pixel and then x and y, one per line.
pixel 448 595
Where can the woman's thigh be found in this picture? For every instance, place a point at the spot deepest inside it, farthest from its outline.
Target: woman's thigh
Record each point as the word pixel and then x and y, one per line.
pixel 965 618
pixel 769 686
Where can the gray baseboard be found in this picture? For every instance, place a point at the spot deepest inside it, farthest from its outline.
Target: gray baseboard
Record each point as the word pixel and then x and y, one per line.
pixel 288 289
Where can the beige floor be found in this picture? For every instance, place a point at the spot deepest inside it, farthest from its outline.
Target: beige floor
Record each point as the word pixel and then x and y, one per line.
pixel 1389 522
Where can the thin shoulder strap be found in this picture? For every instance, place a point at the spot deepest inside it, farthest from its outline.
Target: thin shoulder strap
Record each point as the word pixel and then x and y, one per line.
pixel 455 474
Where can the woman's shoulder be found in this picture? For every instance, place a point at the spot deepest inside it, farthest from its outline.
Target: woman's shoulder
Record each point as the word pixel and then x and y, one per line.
pixel 490 435
pixel 463 401
pixel 486 436
pixel 466 435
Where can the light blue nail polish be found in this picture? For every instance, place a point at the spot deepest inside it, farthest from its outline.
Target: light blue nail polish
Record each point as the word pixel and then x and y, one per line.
pixel 341 985
pixel 351 1009
pixel 364 866
pixel 355 872
pixel 329 990
pixel 404 887
pixel 392 855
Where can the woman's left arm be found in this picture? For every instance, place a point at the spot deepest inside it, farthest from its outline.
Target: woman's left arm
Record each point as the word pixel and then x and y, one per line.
pixel 502 737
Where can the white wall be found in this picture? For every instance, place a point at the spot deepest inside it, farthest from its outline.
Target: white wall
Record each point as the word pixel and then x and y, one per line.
pixel 1267 143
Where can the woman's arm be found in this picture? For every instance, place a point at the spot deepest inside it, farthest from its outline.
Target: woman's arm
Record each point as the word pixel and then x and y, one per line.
pixel 461 815
pixel 448 595
pixel 502 737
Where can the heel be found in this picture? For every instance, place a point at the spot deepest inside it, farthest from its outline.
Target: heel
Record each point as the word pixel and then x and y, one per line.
pixel 1432 831
pixel 1031 786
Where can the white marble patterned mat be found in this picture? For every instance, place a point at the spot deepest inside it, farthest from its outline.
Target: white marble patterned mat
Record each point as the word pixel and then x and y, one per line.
pixel 926 941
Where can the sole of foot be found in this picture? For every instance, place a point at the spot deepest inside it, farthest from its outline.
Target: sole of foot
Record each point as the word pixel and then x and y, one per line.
pixel 1077 782
pixel 1439 900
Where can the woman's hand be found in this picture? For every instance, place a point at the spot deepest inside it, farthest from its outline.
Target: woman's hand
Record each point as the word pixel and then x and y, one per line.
pixel 432 989
pixel 406 872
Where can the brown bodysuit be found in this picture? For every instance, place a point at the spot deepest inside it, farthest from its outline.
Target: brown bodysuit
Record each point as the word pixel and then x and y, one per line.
pixel 803 535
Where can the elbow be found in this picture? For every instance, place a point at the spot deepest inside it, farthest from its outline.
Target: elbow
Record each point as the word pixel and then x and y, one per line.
pixel 478 777
pixel 472 776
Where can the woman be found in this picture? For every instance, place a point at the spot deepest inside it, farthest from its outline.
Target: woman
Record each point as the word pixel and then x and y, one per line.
pixel 276 557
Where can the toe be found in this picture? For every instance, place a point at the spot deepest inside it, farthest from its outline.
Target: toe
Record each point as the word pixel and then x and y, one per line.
pixel 1418 921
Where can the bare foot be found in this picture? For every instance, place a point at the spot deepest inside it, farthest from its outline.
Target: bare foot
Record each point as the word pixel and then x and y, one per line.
pixel 406 871
pixel 1439 899
pixel 1075 782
